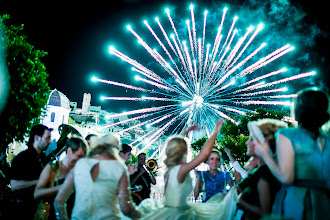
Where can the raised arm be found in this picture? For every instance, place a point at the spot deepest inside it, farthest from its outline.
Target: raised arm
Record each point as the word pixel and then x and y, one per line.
pixel 191 128
pixel 202 156
pixel 67 188
pixel 127 206
pixel 284 169
pixel 235 163
pixel 198 185
pixel 42 190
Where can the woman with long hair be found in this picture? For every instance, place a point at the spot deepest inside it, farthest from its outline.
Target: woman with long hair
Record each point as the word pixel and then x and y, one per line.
pixel 215 180
pixel 55 172
pixel 303 155
pixel 178 184
pixel 100 182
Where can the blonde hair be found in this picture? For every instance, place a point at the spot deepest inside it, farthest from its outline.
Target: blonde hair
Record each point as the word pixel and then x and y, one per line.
pixel 268 128
pixel 109 145
pixel 176 149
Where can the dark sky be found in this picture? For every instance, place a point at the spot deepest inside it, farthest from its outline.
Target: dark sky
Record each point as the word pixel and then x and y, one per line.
pixel 76 37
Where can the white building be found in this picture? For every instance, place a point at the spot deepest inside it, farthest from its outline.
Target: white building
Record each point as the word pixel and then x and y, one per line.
pixel 58 110
pixel 91 119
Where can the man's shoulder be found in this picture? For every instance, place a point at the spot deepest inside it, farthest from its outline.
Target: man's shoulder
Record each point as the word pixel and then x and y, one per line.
pixel 25 154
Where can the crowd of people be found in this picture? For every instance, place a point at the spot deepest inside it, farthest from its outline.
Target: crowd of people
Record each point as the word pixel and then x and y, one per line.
pixel 286 177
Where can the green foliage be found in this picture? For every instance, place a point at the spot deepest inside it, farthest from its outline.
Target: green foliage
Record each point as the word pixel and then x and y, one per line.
pixel 29 88
pixel 197 145
pixel 133 159
pixel 234 136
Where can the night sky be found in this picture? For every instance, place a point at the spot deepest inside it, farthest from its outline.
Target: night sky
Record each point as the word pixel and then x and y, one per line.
pixel 76 37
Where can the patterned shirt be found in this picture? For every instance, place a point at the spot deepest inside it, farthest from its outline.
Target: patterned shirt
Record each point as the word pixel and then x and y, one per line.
pixel 214 184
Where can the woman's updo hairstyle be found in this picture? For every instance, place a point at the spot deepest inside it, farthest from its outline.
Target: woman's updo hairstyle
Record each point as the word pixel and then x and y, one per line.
pixel 268 128
pixel 109 145
pixel 311 109
pixel 176 149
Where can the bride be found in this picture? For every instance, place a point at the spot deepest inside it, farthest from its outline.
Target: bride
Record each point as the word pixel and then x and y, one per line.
pixel 178 185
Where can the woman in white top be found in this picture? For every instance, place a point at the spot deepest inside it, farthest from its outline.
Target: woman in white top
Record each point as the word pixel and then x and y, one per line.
pixel 100 182
pixel 178 185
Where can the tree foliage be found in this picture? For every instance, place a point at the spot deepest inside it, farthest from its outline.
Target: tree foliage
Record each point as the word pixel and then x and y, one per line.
pixel 234 136
pixel 29 88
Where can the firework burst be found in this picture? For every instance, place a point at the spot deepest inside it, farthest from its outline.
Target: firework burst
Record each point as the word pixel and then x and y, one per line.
pixel 207 78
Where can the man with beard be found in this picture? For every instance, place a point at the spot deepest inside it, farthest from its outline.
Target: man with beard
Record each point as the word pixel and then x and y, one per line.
pixel 25 171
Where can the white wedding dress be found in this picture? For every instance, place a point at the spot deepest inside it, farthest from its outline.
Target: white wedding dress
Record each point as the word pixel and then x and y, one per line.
pixel 175 205
pixel 97 199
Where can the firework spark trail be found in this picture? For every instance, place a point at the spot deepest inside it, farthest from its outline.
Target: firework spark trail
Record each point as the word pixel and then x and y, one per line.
pixel 151 51
pixel 276 53
pixel 246 45
pixel 175 31
pixel 139 99
pixel 161 44
pixel 141 138
pixel 223 115
pixel 283 96
pixel 193 27
pixel 161 119
pixel 223 78
pixel 201 44
pixel 217 40
pixel 127 120
pixel 264 92
pixel 266 103
pixel 301 75
pixel 119 84
pixel 146 72
pixel 179 53
pixel 265 76
pixel 259 28
pixel 233 110
pixel 207 81
pixel 135 126
pixel 190 39
pixel 160 131
pixel 154 84
pixel 143 110
pixel 228 35
pixel 252 87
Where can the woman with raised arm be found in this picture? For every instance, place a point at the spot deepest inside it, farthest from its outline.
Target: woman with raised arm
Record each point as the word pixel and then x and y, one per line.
pixel 303 155
pixel 99 181
pixel 215 180
pixel 259 188
pixel 178 183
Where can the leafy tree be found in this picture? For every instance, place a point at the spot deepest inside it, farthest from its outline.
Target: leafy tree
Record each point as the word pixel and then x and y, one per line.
pixel 29 88
pixel 234 136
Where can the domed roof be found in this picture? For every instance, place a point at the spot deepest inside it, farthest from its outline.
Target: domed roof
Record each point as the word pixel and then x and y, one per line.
pixel 56 98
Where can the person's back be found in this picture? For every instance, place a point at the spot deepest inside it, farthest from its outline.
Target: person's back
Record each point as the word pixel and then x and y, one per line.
pixel 311 176
pixel 311 164
pixel 303 157
pixel 97 199
pixel 176 193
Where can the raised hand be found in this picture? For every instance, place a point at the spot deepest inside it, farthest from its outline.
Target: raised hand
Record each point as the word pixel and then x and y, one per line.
pixel 261 149
pixel 191 128
pixel 227 151
pixel 218 125
pixel 194 128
